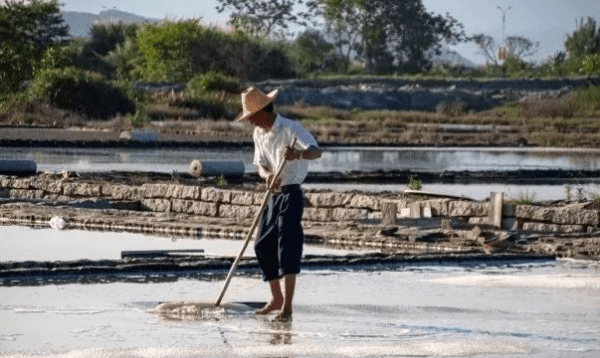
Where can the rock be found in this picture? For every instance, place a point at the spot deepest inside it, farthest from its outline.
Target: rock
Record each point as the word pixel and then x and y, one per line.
pixel 58 223
pixel 365 202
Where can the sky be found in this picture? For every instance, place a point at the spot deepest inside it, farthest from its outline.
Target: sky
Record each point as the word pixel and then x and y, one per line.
pixel 546 21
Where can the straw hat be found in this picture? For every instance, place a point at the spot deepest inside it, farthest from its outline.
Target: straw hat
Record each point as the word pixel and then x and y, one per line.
pixel 253 100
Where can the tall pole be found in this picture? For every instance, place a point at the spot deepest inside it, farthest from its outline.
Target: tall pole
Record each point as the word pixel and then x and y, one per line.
pixel 504 18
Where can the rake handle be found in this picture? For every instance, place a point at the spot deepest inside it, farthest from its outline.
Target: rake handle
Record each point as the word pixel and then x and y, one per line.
pixel 252 228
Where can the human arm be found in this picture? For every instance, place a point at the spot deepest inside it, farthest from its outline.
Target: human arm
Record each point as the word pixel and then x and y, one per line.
pixel 310 153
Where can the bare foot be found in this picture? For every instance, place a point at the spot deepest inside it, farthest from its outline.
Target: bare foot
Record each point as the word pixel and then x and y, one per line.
pixel 269 307
pixel 283 316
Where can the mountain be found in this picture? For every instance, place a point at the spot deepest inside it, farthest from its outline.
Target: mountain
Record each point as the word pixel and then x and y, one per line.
pixel 80 22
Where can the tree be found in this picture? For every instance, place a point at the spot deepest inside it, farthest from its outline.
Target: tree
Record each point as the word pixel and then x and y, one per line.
pixel 264 16
pixel 387 34
pixel 487 46
pixel 585 40
pixel 309 51
pixel 344 20
pixel 26 30
pixel 517 46
pixel 520 47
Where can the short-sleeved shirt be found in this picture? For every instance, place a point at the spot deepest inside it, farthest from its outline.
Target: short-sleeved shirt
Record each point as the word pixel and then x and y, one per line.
pixel 270 146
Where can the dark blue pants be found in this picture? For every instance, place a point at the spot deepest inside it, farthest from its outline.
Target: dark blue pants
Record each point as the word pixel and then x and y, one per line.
pixel 279 241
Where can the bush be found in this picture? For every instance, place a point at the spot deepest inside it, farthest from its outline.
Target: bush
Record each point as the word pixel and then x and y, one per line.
pixel 80 91
pixel 590 64
pixel 105 37
pixel 59 56
pixel 211 81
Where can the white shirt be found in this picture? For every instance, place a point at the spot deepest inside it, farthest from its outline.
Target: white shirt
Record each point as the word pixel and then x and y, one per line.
pixel 270 146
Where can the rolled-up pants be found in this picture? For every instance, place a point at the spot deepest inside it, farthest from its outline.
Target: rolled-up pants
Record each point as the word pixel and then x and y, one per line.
pixel 278 245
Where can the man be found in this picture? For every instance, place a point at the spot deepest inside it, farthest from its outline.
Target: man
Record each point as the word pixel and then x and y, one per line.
pixel 279 240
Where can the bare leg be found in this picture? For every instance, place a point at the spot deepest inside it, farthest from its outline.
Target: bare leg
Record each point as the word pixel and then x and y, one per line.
pixel 276 301
pixel 290 286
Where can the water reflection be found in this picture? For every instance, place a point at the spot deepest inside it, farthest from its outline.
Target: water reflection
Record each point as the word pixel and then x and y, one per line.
pixel 340 159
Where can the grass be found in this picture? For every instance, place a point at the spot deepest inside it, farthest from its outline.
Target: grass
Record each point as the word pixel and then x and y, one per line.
pixel 567 121
pixel 524 199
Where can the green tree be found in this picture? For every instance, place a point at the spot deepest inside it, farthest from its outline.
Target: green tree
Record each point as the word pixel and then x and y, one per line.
pixel 26 30
pixel 387 34
pixel 585 40
pixel 309 51
pixel 265 16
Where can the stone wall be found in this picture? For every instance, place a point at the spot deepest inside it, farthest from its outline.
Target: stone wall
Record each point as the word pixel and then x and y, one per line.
pixel 242 204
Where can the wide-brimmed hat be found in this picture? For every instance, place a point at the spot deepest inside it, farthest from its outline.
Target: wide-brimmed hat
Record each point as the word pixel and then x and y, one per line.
pixel 253 100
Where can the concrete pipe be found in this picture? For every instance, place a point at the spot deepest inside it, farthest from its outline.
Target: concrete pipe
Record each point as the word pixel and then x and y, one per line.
pixel 210 168
pixel 17 167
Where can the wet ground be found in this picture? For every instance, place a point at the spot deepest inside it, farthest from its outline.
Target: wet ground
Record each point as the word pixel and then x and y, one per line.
pixel 538 310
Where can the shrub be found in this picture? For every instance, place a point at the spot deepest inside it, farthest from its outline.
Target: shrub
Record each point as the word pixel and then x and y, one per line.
pixel 211 81
pixel 105 37
pixel 590 64
pixel 80 91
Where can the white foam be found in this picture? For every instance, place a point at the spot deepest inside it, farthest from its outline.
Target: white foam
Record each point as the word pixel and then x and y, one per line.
pixel 533 281
pixel 421 348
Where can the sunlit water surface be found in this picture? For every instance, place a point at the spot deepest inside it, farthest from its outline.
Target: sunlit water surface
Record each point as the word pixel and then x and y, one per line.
pixel 346 159
pixel 539 310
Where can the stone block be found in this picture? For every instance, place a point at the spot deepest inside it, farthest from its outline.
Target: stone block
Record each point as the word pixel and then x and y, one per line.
pixel 576 216
pixel 82 189
pixel 439 207
pixel 216 195
pixel 340 214
pixel 239 197
pixel 126 192
pixel 6 181
pixel 156 191
pixel 318 214
pixel 427 212
pixel 158 205
pixel 415 209
pixel 467 208
pixel 204 209
pixel 190 192
pixel 389 213
pixel 50 186
pixel 477 220
pixel 26 194
pixel 365 202
pixel 543 214
pixel 524 211
pixel 237 211
pixel 545 227
pixel 22 183
pixel 329 200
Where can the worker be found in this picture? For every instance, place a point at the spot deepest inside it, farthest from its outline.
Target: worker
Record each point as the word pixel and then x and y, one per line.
pixel 280 238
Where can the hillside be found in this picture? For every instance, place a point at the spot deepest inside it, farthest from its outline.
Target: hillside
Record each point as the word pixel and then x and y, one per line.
pixel 80 22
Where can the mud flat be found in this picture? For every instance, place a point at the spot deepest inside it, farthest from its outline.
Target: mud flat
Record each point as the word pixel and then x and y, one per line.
pixel 419 225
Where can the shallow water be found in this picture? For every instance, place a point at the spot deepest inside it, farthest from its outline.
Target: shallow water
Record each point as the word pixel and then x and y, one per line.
pixel 547 310
pixel 342 159
pixel 480 191
pixel 26 244
pixel 491 310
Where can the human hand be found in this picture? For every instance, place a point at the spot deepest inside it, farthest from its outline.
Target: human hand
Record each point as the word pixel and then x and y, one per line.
pixel 292 154
pixel 277 182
